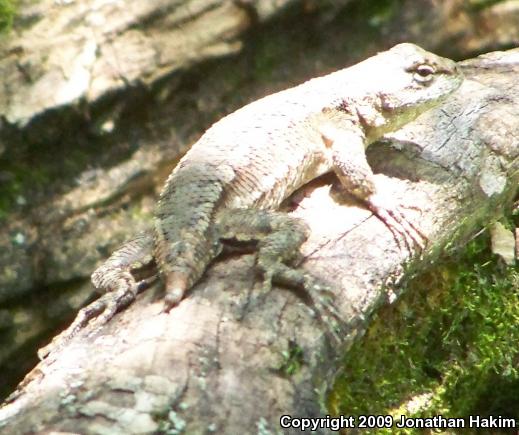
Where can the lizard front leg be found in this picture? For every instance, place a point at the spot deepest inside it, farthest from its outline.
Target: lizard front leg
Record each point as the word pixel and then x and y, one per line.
pixel 279 238
pixel 349 163
pixel 115 277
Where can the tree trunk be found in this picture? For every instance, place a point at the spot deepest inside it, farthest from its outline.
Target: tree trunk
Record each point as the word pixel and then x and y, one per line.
pixel 230 359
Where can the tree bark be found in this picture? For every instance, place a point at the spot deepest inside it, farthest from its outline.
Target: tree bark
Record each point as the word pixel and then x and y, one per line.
pixel 88 136
pixel 218 361
pixel 106 47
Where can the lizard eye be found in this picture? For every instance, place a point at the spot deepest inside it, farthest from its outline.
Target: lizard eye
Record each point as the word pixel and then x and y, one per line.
pixel 423 73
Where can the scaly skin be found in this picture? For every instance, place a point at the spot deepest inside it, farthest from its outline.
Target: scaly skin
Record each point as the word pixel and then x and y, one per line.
pixel 231 181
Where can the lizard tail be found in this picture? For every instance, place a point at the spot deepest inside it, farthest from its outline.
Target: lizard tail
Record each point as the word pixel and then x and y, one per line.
pixel 176 286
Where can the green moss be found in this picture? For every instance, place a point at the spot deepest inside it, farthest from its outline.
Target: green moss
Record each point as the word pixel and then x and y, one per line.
pixel 283 40
pixel 293 359
pixel 478 5
pixel 46 169
pixel 379 12
pixel 21 176
pixel 264 62
pixel 450 342
pixel 7 12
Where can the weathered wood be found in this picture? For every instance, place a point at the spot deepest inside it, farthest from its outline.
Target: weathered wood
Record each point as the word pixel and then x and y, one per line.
pixel 215 363
pixel 70 52
pixel 81 173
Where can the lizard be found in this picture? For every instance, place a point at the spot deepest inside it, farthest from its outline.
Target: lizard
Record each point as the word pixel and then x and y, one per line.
pixel 230 183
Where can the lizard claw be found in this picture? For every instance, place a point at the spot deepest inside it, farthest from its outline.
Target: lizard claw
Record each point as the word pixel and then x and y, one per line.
pixel 103 306
pixel 319 297
pixel 98 312
pixel 397 223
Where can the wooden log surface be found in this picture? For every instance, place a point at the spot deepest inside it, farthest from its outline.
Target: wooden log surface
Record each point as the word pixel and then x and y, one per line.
pixel 215 363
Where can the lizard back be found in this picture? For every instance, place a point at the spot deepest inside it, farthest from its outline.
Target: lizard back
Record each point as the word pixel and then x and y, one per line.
pixel 260 154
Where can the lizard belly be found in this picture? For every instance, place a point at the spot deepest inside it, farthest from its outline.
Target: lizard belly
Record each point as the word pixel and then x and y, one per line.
pixel 265 185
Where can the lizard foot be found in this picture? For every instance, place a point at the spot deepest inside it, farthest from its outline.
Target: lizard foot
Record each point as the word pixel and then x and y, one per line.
pixel 397 222
pixel 98 312
pixel 116 277
pixel 279 238
pixel 318 296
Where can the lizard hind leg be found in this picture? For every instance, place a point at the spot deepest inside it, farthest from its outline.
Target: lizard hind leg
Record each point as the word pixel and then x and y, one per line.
pixel 119 284
pixel 279 238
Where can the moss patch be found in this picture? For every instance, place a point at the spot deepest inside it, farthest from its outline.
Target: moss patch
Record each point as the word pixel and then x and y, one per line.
pixel 478 5
pixel 7 12
pixel 448 347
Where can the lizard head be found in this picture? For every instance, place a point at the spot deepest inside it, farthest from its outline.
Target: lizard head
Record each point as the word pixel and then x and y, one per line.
pixel 402 83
